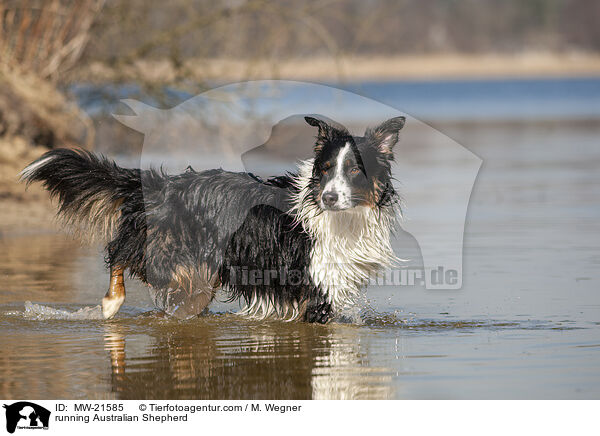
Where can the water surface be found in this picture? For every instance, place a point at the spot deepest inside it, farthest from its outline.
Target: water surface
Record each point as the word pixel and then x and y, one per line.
pixel 526 323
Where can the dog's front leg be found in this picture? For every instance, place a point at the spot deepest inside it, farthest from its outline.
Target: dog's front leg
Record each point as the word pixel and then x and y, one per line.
pixel 115 296
pixel 318 310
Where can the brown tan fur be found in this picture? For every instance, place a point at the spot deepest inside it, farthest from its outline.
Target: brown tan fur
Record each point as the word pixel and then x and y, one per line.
pixel 115 296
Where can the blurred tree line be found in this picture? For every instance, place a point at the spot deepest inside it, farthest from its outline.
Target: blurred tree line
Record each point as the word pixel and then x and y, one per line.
pixel 182 29
pixel 52 36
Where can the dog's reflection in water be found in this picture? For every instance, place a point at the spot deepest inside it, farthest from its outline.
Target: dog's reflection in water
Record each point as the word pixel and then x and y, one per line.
pixel 114 343
pixel 217 358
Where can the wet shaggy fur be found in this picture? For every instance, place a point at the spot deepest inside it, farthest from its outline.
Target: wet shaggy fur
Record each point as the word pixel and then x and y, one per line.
pixel 263 241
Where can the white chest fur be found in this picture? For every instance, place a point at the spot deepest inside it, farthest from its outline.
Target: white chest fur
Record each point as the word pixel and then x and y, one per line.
pixel 348 246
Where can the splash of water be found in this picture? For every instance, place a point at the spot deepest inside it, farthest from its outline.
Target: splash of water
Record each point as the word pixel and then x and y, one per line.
pixel 40 312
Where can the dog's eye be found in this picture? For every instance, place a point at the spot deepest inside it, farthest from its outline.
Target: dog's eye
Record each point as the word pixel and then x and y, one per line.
pixel 325 168
pixel 354 170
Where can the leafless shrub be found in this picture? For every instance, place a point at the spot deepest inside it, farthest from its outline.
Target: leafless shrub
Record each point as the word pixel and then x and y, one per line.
pixel 45 37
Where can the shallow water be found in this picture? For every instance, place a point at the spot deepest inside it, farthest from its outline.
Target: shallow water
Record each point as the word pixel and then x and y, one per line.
pixel 526 323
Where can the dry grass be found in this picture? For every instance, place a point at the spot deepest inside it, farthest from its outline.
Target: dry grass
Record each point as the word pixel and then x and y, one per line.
pixel 21 209
pixel 45 36
pixel 34 116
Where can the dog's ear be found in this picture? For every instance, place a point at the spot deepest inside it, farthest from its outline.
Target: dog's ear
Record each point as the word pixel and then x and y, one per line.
pixel 324 128
pixel 386 135
pixel 324 132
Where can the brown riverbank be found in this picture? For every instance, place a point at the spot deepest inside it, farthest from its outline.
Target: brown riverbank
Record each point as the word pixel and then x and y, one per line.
pixel 34 117
pixel 21 210
pixel 412 67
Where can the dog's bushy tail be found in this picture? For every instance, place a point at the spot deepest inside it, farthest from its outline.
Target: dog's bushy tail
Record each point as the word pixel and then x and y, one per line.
pixel 90 189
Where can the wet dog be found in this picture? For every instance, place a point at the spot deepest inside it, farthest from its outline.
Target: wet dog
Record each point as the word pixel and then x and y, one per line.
pixel 297 246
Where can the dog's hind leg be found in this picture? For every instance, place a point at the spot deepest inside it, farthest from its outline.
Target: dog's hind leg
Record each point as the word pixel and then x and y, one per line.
pixel 115 296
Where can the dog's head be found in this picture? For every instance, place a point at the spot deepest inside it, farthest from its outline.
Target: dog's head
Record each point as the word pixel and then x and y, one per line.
pixel 351 171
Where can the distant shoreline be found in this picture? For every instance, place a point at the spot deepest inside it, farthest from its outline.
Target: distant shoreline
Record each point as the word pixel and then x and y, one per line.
pixel 352 69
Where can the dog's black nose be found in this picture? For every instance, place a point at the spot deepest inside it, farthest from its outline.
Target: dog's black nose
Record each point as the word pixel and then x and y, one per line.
pixel 330 198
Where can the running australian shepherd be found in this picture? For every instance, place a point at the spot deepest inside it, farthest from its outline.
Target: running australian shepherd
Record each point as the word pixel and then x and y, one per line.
pixel 293 247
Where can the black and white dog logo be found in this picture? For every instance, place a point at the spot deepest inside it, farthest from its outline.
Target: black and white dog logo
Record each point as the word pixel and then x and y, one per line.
pixel 26 415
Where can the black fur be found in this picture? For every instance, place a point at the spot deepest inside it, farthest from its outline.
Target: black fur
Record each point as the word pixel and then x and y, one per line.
pixel 216 218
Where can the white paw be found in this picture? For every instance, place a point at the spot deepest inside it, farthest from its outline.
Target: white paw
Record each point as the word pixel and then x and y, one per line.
pixel 110 306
